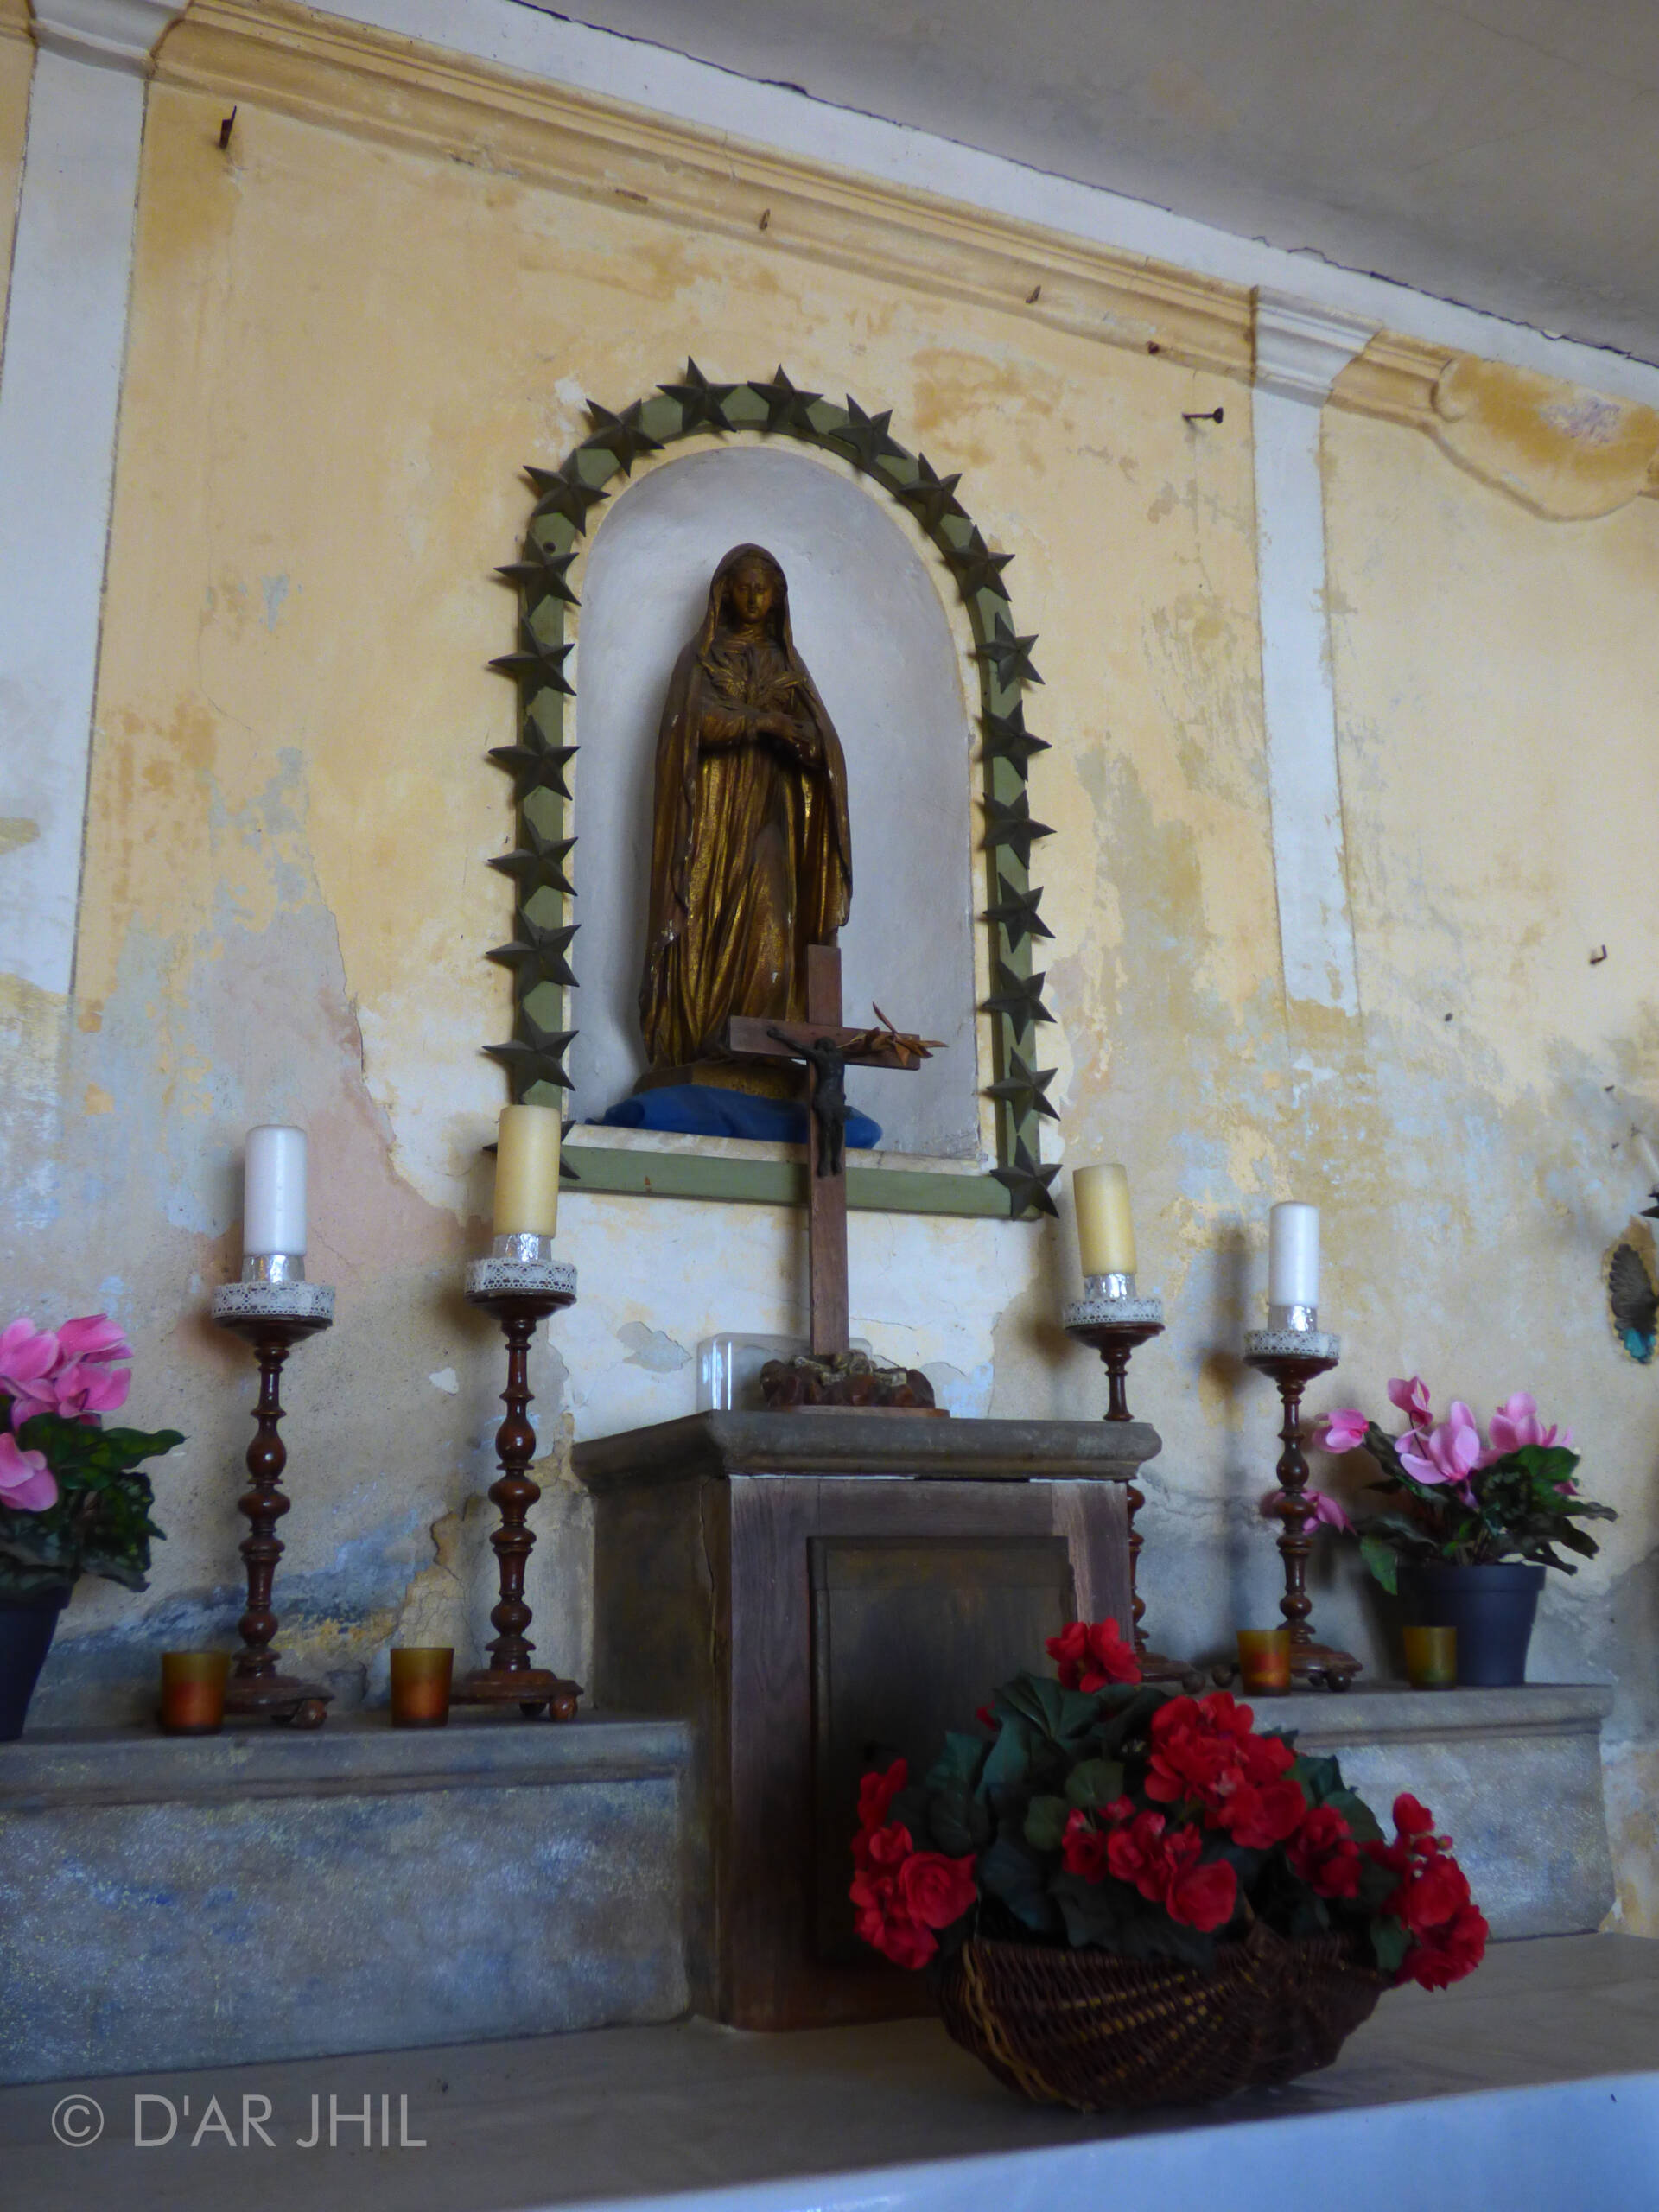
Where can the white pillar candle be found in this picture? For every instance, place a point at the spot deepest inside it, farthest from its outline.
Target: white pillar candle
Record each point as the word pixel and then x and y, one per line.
pixel 273 1192
pixel 527 1171
pixel 1105 1225
pixel 1293 1255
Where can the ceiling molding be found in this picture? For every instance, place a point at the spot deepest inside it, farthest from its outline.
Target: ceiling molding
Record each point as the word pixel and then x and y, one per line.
pixel 345 76
pixel 109 34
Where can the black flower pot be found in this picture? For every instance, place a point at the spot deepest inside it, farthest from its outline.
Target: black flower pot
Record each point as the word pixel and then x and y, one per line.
pixel 1492 1608
pixel 27 1626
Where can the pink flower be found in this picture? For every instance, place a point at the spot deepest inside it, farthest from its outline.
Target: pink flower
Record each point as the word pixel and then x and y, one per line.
pixel 1344 1431
pixel 1516 1424
pixel 1327 1513
pixel 1410 1393
pixel 79 1391
pixel 26 1354
pixel 26 1482
pixel 93 1336
pixel 1447 1454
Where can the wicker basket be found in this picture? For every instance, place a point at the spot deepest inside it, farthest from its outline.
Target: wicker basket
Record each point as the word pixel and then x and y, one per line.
pixel 1086 2029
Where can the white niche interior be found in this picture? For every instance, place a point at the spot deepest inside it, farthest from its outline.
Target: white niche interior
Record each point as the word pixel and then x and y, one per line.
pixel 870 625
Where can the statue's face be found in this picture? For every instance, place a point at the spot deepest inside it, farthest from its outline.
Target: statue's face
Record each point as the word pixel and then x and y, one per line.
pixel 754 593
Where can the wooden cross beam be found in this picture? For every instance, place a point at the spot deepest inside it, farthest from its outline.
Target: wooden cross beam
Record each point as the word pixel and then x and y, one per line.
pixel 826 1046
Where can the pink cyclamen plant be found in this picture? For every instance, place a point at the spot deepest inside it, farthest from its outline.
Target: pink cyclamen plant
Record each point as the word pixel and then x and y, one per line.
pixel 1454 1497
pixel 68 1372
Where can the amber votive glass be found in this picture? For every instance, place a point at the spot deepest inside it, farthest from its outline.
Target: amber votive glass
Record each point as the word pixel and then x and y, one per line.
pixel 420 1685
pixel 1264 1659
pixel 1432 1658
pixel 192 1692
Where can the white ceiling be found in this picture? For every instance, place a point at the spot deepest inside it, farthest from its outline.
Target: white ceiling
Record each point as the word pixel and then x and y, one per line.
pixel 1501 153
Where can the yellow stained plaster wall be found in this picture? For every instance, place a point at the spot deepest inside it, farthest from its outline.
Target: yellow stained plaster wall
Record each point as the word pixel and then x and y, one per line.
pixel 16 69
pixel 340 352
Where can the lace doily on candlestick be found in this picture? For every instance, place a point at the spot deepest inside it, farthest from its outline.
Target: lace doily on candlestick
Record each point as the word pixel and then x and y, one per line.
pixel 529 1278
pixel 1091 1312
pixel 1292 1343
pixel 274 1301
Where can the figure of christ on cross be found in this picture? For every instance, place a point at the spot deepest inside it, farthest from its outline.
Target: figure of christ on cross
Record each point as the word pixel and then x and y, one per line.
pixel 828 1049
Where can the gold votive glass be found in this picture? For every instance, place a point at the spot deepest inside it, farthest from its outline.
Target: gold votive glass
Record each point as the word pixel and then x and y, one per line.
pixel 1264 1660
pixel 192 1692
pixel 421 1675
pixel 1432 1658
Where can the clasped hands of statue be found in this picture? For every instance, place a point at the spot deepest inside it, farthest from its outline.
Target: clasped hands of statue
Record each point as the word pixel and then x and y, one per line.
pixel 741 720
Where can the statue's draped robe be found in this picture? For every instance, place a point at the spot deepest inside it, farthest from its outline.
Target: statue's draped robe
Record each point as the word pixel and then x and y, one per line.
pixel 750 845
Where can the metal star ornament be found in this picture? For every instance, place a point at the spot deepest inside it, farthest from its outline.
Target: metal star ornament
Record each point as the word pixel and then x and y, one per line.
pixel 563 490
pixel 785 407
pixel 867 436
pixel 931 497
pixel 1010 656
pixel 540 574
pixel 1021 997
pixel 1007 738
pixel 1027 1184
pixel 537 956
pixel 536 1057
pixel 1009 822
pixel 543 665
pixel 1017 911
pixel 976 568
pixel 534 765
pixel 621 435
pixel 539 863
pixel 1024 1083
pixel 703 405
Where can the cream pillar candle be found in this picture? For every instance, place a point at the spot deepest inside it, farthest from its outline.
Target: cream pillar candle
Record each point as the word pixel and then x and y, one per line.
pixel 527 1171
pixel 273 1192
pixel 1105 1227
pixel 1293 1255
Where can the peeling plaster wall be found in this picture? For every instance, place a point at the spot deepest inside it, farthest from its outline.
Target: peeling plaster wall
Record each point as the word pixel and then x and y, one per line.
pixel 339 353
pixel 16 69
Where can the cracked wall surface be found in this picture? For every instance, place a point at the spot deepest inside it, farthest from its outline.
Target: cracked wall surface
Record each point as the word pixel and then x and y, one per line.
pixel 340 353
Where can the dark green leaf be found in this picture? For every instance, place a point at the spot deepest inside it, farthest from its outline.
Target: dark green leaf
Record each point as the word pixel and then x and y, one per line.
pixel 957 1762
pixel 1361 1821
pixel 1389 1942
pixel 1383 1562
pixel 1011 1872
pixel 1007 1760
pixel 1094 1782
pixel 1045 1820
pixel 1094 1912
pixel 1319 1776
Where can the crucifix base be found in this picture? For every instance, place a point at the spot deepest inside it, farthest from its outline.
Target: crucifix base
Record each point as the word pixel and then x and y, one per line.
pixel 850 1380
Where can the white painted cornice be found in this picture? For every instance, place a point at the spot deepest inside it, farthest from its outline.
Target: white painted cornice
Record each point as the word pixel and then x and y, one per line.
pixel 1300 348
pixel 109 34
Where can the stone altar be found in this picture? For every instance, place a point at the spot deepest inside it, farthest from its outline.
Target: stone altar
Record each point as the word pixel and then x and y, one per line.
pixel 181 1902
pixel 791 1583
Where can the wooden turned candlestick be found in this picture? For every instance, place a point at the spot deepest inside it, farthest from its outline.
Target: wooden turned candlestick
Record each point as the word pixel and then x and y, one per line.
pixel 1318 1664
pixel 511 1678
pixel 1115 1341
pixel 257 1689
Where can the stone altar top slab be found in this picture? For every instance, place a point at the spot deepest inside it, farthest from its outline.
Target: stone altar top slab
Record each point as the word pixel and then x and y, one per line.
pixel 833 1441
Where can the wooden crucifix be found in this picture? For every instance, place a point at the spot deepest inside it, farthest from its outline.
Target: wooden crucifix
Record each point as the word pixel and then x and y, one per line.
pixel 828 1049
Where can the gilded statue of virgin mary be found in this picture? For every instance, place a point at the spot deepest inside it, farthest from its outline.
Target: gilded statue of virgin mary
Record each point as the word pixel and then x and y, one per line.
pixel 751 854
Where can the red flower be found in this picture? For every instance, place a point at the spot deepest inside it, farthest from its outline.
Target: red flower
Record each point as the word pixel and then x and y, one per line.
pixel 1202 1897
pixel 1088 1656
pixel 1135 1854
pixel 1411 1818
pixel 1445 1953
pixel 1084 1847
pixel 885 1847
pixel 1206 1750
pixel 1436 1890
pixel 877 1792
pixel 935 1890
pixel 1323 1853
pixel 881 1918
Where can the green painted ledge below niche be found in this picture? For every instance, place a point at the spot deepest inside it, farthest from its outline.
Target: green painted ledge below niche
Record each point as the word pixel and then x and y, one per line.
pixel 778 1181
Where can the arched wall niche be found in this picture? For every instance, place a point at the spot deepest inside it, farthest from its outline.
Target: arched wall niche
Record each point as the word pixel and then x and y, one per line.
pixel 861 576
pixel 871 628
